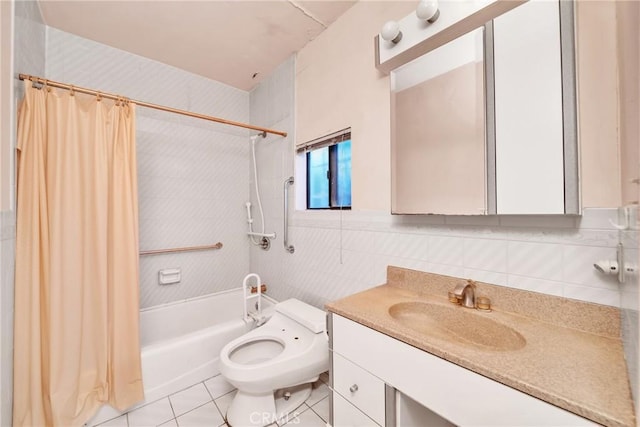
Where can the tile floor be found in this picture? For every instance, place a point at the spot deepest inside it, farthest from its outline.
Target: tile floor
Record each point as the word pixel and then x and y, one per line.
pixel 204 405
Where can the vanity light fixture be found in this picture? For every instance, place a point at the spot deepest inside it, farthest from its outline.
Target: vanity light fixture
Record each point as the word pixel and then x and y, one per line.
pixel 391 32
pixel 427 10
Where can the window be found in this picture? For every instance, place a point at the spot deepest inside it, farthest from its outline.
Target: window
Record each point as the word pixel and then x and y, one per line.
pixel 329 171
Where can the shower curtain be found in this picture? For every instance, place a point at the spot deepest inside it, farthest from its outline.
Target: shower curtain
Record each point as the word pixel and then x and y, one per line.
pixel 76 343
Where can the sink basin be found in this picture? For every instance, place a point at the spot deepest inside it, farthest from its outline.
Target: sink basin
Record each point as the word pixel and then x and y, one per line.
pixel 462 325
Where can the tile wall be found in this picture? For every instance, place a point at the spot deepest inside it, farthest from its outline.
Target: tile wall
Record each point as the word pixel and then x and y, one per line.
pixel 7 259
pixel 29 57
pixel 272 105
pixel 192 175
pixel 629 303
pixel 341 253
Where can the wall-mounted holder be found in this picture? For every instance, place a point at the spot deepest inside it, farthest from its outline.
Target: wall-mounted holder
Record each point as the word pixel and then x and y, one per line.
pixel 616 267
pixel 265 242
pixel 169 276
pixel 627 217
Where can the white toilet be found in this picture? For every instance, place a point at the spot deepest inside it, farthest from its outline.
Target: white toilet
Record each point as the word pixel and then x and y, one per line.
pixel 274 365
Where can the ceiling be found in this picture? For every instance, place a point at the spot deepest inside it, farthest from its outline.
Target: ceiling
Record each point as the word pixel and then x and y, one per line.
pixel 228 41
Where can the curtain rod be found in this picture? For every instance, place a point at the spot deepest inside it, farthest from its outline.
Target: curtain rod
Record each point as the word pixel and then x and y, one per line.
pixel 148 104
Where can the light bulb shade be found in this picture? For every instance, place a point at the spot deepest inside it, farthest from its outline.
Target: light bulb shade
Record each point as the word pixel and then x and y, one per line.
pixel 391 32
pixel 428 10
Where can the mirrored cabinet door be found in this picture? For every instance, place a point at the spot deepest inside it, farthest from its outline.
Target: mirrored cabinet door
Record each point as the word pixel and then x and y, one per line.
pixel 438 131
pixel 529 122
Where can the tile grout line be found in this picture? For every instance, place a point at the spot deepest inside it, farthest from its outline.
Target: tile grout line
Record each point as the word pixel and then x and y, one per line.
pixel 191 410
pixel 172 410
pixel 311 407
pixel 218 407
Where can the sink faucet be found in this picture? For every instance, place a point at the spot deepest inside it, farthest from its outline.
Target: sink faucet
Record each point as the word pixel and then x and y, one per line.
pixel 465 293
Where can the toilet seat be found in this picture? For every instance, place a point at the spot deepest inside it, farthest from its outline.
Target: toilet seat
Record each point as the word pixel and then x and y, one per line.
pixel 255 352
pixel 299 348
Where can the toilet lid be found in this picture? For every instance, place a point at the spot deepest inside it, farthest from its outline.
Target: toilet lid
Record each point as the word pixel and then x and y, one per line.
pixel 307 315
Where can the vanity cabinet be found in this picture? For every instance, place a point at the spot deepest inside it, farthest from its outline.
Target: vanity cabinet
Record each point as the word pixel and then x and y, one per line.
pixel 378 380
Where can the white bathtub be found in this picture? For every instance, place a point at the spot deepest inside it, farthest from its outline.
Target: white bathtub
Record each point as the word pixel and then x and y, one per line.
pixel 181 342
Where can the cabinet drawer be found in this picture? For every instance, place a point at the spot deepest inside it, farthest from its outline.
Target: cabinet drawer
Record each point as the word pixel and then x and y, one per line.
pixel 347 415
pixel 359 387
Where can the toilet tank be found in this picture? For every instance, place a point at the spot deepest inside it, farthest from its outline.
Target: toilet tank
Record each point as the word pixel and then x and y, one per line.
pixel 307 315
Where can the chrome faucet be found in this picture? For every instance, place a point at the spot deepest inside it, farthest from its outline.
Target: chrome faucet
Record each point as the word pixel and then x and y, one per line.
pixel 465 293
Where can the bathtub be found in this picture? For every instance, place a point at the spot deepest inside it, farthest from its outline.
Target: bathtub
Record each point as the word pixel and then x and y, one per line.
pixel 181 342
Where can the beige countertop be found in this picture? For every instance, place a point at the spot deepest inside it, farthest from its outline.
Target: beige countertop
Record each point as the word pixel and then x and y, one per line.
pixel 573 357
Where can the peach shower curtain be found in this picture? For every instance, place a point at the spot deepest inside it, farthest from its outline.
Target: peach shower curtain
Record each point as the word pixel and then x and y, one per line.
pixel 76 342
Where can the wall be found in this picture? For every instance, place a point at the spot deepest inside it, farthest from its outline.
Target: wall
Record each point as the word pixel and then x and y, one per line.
pixel 337 86
pixel 6 233
pixel 630 305
pixel 354 93
pixel 628 38
pixel 597 103
pixel 192 174
pixel 338 253
pixel 29 57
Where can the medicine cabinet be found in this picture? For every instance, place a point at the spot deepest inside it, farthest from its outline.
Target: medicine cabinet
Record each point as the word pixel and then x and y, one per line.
pixel 486 123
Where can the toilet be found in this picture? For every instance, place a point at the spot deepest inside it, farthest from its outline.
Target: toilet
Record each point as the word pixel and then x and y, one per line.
pixel 273 366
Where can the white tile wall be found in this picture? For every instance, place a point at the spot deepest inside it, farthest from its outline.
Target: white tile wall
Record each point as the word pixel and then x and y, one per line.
pixel 193 175
pixel 29 57
pixel 556 261
pixel 7 264
pixel 630 304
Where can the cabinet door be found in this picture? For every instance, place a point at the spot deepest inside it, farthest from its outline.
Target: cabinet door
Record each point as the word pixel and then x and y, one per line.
pixel 438 131
pixel 347 415
pixel 529 121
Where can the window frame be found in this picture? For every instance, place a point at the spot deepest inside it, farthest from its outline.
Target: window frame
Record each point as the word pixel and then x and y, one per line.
pixel 330 142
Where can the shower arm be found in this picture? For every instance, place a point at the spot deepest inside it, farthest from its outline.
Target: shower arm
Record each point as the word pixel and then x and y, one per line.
pixel 287 182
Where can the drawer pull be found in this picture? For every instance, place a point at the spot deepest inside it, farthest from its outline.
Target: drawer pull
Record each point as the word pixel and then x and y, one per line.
pixel 353 388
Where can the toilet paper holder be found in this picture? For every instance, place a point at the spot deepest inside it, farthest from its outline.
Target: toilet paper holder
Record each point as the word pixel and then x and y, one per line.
pixel 615 267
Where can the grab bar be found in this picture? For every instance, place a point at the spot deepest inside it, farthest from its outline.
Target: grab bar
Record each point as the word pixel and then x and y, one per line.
pixel 187 249
pixel 287 247
pixel 247 297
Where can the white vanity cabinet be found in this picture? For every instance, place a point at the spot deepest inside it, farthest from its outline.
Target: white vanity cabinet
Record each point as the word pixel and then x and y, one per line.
pixel 378 380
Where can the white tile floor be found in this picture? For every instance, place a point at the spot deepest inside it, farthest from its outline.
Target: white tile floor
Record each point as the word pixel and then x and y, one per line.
pixel 204 405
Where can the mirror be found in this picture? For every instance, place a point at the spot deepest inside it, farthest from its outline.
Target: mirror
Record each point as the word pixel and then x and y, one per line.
pixel 438 130
pixel 486 124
